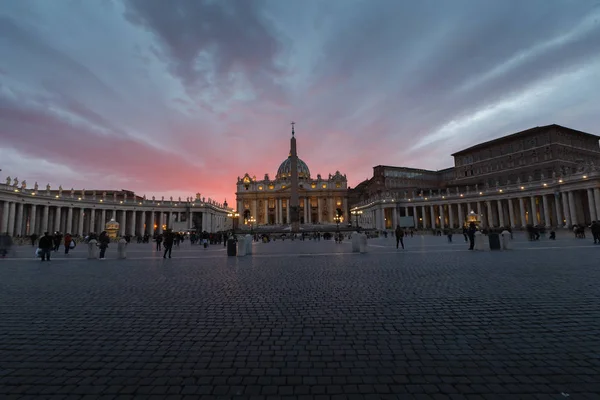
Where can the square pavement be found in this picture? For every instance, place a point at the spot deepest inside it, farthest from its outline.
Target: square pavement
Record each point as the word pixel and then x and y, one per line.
pixel 303 320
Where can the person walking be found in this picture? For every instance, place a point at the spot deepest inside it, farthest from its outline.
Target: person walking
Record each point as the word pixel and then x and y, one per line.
pixel 595 228
pixel 168 243
pixel 103 241
pixel 68 240
pixel 471 233
pixel 399 237
pixel 34 238
pixel 159 240
pixel 46 245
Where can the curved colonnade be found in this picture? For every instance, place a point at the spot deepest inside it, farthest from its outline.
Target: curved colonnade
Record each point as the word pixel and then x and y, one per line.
pixel 556 202
pixel 24 212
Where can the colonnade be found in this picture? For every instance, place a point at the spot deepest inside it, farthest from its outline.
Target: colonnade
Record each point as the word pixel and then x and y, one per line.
pixel 21 218
pixel 551 209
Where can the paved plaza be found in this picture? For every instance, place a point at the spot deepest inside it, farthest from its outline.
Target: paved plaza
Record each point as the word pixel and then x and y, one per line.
pixel 303 320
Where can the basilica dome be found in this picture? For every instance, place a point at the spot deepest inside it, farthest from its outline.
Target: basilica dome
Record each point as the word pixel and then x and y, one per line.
pixel 285 169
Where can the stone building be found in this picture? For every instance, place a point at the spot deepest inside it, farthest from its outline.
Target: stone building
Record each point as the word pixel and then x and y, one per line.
pixel 546 175
pixel 267 201
pixel 25 211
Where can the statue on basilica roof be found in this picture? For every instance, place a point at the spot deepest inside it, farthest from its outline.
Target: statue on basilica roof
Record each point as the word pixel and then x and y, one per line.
pixel 16 182
pixel 24 185
pixel 35 186
pixel 8 181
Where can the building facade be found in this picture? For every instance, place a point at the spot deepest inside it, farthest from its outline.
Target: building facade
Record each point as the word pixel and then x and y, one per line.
pixel 542 176
pixel 26 211
pixel 267 201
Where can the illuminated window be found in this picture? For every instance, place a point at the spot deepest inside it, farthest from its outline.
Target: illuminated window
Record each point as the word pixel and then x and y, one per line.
pixel 271 187
pixel 324 186
pixel 260 188
pixel 283 186
pixel 314 185
pixel 338 185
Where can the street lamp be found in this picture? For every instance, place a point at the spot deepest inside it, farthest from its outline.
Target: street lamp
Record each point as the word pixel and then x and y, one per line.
pixel 337 220
pixel 251 221
pixel 233 215
pixel 356 213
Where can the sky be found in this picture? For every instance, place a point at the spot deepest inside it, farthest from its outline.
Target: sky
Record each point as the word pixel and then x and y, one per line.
pixel 181 97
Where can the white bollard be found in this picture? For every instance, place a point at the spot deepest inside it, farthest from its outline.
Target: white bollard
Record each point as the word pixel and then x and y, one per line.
pixel 356 242
pixel 248 245
pixel 363 243
pixel 92 249
pixel 480 241
pixel 122 249
pixel 241 246
pixel 505 239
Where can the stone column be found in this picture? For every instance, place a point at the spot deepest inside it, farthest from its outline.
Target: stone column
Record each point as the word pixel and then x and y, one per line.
pixel 5 211
pixel 500 212
pixel 511 213
pixel 11 219
pixel 309 210
pixel 597 202
pixel 102 221
pixel 161 218
pixel 69 224
pixel 522 209
pixel 591 204
pixel 415 217
pixel 442 217
pixel 424 213
pixel 57 215
pixel 331 210
pixel 32 220
pixel 19 228
pixel 254 209
pixel 395 217
pixel 490 214
pixel 92 224
pixel 133 229
pixel 80 224
pixel 305 210
pixel 450 216
pixel 280 210
pixel 533 212
pixel 558 211
pixel 461 216
pixel 548 222
pixel 565 203
pixel 479 213
pixel 433 221
pixel 287 212
pixel 45 215
pixel 319 200
pixel 572 209
pixel 266 211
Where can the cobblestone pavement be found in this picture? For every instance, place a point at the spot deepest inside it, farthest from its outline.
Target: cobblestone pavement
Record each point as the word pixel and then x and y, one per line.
pixel 299 321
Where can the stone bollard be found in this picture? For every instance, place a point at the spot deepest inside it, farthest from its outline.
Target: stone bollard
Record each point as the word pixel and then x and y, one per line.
pixel 241 248
pixel 356 242
pixel 92 249
pixel 122 249
pixel 479 241
pixel 505 239
pixel 363 243
pixel 248 245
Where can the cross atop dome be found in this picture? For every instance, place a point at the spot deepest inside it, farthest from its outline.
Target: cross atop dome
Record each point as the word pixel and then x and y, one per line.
pixel 293 123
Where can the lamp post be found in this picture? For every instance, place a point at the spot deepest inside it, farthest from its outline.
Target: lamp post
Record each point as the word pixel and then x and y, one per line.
pixel 356 213
pixel 251 221
pixel 233 215
pixel 337 220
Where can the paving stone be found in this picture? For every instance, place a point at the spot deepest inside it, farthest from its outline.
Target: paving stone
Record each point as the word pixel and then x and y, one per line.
pixel 430 322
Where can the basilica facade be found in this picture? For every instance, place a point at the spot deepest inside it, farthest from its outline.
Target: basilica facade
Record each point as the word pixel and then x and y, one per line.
pixel 323 200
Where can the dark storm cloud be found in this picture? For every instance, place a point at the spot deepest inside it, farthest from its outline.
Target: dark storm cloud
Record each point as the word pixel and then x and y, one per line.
pixel 207 41
pixel 214 84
